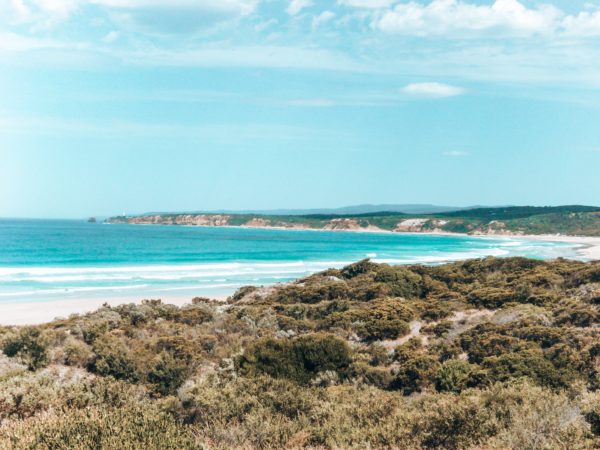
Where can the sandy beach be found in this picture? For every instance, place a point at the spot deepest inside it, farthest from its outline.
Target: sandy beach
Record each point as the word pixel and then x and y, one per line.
pixel 30 313
pixel 589 249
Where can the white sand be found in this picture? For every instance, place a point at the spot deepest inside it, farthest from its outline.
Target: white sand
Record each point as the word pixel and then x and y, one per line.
pixel 33 313
pixel 589 250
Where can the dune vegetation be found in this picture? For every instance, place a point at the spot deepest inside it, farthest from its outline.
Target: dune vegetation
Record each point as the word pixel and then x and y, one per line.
pixel 491 353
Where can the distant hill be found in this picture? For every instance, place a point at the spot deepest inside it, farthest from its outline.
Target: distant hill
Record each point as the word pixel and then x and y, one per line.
pixel 409 208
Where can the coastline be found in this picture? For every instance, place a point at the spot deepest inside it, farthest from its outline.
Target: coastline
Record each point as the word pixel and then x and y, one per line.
pixel 32 313
pixel 588 246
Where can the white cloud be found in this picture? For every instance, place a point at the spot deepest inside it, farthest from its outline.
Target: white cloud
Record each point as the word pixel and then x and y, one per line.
pixel 322 18
pixel 248 56
pixel 296 6
pixel 434 90
pixel 313 103
pixel 455 154
pixel 265 24
pixel 13 42
pixel 110 37
pixel 461 19
pixel 583 24
pixel 217 133
pixel 172 15
pixel 367 4
pixel 242 7
pixel 43 13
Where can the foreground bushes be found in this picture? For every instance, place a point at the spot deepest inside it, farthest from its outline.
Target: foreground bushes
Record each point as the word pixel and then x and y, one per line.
pixel 134 426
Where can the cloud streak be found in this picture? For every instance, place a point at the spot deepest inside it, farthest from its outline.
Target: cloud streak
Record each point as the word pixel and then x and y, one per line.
pixel 455 154
pixel 456 18
pixel 432 90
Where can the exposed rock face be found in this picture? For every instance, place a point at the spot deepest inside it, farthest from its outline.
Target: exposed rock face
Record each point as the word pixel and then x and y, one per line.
pixel 206 220
pixel 496 227
pixel 411 225
pixel 258 223
pixel 420 225
pixel 342 224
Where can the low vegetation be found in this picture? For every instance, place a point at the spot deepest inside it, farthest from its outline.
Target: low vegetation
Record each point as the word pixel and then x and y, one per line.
pixel 490 353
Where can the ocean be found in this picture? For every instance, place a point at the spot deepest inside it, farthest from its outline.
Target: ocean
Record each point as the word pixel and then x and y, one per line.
pixel 43 260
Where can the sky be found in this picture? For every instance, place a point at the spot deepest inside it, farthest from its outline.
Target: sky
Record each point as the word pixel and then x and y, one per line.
pixel 128 106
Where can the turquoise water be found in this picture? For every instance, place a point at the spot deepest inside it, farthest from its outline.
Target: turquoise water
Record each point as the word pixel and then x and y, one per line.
pixel 51 260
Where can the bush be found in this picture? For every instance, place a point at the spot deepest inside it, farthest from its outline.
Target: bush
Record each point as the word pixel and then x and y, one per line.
pixel 359 268
pixel 491 297
pixel 132 426
pixel 592 416
pixel 113 358
pixel 299 359
pixel 380 319
pixel 380 377
pixel 30 345
pixel 167 373
pixel 195 315
pixel 530 364
pixel 452 376
pixel 76 353
pixel 415 374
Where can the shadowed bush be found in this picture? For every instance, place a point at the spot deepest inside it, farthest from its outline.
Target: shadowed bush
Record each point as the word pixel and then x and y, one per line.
pixel 299 359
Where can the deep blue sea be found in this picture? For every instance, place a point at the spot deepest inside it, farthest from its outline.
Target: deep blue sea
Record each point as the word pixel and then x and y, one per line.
pixel 43 260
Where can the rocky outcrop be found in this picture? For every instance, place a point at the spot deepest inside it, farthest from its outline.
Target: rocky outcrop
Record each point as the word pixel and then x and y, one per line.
pixel 420 225
pixel 411 225
pixel 206 220
pixel 256 222
pixel 342 224
pixel 349 225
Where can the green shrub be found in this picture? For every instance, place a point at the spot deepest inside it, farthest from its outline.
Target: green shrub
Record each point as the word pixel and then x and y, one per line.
pixel 30 345
pixel 196 315
pixel 415 374
pixel 380 319
pixel 299 359
pixel 491 297
pixel 593 418
pixel 452 376
pixel 167 373
pixel 134 426
pixel 113 358
pixel 530 364
pixel 76 353
pixel 362 267
pixel 380 377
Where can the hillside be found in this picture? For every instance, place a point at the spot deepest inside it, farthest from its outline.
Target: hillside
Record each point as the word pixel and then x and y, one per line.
pixel 567 220
pixel 492 353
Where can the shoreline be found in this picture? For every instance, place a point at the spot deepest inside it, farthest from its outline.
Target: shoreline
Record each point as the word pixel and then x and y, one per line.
pixel 33 313
pixel 36 313
pixel 589 246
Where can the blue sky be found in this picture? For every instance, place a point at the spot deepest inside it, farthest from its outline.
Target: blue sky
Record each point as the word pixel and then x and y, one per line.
pixel 111 106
